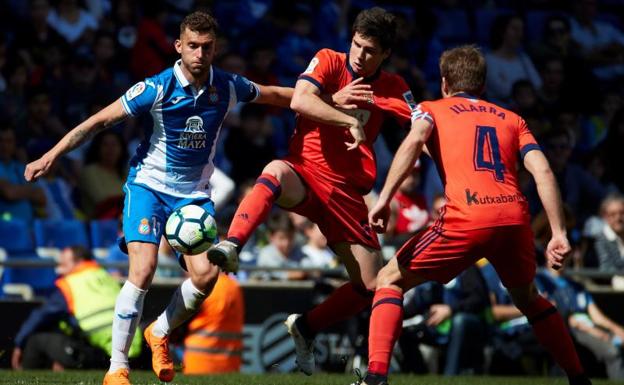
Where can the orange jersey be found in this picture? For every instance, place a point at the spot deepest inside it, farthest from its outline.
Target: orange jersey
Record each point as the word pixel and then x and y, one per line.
pixel 322 147
pixel 476 147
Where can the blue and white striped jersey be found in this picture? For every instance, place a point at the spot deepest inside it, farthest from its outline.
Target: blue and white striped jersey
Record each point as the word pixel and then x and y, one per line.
pixel 176 155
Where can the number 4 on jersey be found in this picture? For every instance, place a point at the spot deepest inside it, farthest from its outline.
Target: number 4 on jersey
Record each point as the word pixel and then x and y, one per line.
pixel 487 153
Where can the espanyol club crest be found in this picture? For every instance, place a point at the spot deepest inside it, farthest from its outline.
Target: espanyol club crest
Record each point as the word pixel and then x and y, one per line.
pixel 144 226
pixel 213 95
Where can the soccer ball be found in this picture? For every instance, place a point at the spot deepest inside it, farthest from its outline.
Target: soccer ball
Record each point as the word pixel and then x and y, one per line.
pixel 190 230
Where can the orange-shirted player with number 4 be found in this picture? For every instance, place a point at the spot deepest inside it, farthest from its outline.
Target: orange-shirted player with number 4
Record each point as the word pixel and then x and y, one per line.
pixel 330 166
pixel 476 146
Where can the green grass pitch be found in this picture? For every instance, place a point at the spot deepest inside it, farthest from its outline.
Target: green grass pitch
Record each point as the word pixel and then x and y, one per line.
pixel 148 378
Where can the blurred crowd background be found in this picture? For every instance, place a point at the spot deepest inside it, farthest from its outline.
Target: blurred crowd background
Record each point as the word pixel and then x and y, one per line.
pixel 559 64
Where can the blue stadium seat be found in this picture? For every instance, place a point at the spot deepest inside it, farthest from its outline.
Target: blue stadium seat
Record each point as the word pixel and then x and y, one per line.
pixel 40 279
pixel 60 233
pixel 15 236
pixel 103 236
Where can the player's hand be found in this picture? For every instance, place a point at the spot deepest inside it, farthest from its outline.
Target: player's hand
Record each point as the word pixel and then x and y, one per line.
pixel 354 92
pixel 16 359
pixel 38 168
pixel 557 250
pixel 438 313
pixel 357 131
pixel 378 217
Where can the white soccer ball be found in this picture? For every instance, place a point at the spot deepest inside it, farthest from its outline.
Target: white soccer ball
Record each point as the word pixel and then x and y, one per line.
pixel 190 230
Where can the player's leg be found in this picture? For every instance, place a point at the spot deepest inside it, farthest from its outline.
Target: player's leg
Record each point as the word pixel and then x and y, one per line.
pixel 278 183
pixel 429 255
pixel 550 330
pixel 362 264
pixel 142 226
pixel 185 303
pixel 514 261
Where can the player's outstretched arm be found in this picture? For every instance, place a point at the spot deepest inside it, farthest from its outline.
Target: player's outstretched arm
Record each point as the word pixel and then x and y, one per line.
pixel 402 164
pixel 308 102
pixel 559 247
pixel 274 95
pixel 107 117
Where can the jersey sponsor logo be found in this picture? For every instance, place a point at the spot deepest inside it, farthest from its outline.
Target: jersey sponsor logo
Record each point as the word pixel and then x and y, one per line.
pixel 177 99
pixel 144 226
pixel 361 115
pixel 194 135
pixel 409 99
pixel 473 198
pixel 313 63
pixel 135 91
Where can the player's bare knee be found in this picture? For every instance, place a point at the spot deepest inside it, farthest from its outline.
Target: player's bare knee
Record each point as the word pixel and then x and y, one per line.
pixel 387 277
pixel 276 169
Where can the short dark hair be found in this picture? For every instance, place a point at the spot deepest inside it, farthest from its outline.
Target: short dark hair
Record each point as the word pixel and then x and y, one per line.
pixel 201 22
pixel 280 221
pixel 81 253
pixel 464 69
pixel 376 23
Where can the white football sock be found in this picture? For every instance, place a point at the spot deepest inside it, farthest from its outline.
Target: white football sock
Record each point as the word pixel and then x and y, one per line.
pixel 128 309
pixel 184 304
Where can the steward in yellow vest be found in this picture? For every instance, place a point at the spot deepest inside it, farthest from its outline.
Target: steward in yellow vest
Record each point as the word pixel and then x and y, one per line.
pixel 73 329
pixel 214 343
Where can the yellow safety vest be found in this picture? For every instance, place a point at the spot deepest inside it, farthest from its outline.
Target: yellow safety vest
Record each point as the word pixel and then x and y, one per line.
pixel 90 293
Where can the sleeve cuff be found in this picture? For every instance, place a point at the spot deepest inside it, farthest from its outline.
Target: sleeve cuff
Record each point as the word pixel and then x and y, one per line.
pixel 126 106
pixel 529 147
pixel 312 80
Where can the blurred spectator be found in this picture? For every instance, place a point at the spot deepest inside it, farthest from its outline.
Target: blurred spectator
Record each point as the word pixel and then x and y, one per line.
pixel 13 101
pixel 589 326
pixel 153 48
pixel 595 127
pixel 453 316
pixel 35 39
pixel 102 178
pixel 249 146
pixel 507 62
pixel 408 210
pixel 42 128
pixel 296 48
pixel 579 190
pixel 609 243
pixel 73 328
pixel 261 60
pixel 315 251
pixel 601 43
pixel 58 192
pixel 17 198
pixel 554 96
pixel 281 251
pixel 70 21
pixel 214 342
pixel 515 347
pixel 611 147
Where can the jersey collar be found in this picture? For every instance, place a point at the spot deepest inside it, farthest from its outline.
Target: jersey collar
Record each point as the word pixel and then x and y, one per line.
pixel 177 70
pixel 354 75
pixel 465 95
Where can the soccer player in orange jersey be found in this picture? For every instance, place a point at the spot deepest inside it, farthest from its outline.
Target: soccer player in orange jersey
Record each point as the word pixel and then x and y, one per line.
pixel 476 146
pixel 329 167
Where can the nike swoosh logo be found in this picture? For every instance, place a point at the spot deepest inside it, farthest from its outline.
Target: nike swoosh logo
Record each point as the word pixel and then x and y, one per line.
pixel 176 100
pixel 127 316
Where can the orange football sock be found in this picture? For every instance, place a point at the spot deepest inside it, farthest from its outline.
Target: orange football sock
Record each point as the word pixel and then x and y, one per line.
pixel 552 333
pixel 385 328
pixel 254 209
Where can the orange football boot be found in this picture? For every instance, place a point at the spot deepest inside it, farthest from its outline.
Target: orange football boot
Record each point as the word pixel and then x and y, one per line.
pixel 161 361
pixel 118 377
